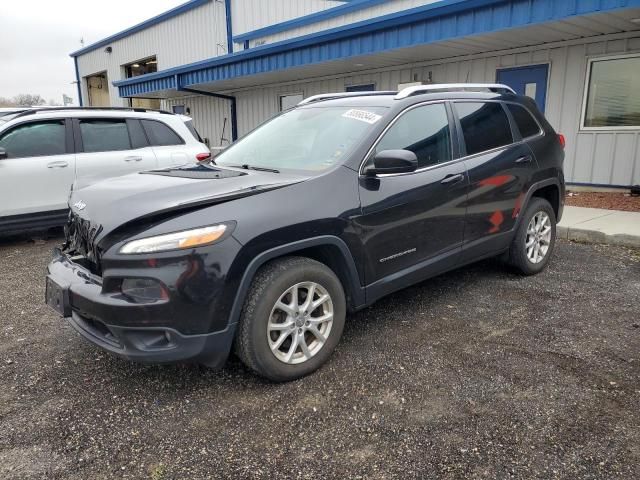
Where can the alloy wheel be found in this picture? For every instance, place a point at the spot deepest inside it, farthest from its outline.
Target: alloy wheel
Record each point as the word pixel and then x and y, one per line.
pixel 300 322
pixel 538 238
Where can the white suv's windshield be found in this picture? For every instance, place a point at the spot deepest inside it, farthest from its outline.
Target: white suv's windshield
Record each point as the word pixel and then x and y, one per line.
pixel 307 139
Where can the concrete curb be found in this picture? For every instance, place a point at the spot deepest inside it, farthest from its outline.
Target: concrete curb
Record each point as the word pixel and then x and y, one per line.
pixel 594 236
pixel 592 225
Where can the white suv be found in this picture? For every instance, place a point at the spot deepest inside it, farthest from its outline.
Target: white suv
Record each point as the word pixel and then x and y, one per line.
pixel 44 152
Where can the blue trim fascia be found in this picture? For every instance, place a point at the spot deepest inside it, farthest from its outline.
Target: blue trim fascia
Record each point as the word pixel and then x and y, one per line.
pixel 421 25
pixel 78 84
pixel 349 7
pixel 185 7
pixel 229 20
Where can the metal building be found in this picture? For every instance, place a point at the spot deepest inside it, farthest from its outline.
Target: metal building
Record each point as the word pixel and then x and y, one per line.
pixel 232 64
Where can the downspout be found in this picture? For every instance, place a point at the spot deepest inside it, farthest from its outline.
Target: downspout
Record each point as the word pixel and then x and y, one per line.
pixel 78 84
pixel 232 100
pixel 227 8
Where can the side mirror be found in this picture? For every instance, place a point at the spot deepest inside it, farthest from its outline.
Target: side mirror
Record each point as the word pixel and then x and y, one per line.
pixel 3 153
pixel 393 161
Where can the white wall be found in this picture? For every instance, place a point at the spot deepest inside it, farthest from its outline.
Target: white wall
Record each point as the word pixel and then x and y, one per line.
pixel 611 158
pixel 208 115
pixel 251 15
pixel 195 35
pixel 390 6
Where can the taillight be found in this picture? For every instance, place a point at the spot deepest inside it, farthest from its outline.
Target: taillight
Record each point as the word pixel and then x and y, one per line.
pixel 201 157
pixel 562 140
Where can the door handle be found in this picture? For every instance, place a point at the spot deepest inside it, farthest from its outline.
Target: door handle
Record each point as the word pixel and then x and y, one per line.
pixel 132 159
pixel 58 164
pixel 525 159
pixel 451 179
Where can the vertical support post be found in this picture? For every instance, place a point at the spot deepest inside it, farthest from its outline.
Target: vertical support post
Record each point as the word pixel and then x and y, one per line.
pixel 229 19
pixel 78 84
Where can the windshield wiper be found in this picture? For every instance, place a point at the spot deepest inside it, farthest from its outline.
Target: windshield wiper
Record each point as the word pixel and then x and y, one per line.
pixel 258 169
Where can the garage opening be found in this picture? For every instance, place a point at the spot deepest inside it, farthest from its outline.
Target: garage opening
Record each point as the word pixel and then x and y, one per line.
pixel 142 67
pixel 98 90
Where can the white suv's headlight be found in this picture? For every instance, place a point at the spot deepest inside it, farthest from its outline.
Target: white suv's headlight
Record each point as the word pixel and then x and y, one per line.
pixel 175 241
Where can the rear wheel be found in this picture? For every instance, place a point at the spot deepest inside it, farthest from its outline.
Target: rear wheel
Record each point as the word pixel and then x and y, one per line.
pixel 535 239
pixel 292 319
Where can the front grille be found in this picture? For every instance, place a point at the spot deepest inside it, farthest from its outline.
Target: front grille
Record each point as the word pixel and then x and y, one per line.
pixel 80 236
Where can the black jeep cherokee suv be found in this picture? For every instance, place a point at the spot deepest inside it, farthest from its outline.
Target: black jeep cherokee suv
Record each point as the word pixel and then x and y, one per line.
pixel 323 210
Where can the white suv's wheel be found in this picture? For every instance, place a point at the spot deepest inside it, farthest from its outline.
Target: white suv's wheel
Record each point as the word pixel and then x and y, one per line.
pixel 292 319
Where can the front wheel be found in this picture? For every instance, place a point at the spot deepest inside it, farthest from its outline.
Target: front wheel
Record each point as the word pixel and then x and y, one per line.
pixel 292 319
pixel 535 238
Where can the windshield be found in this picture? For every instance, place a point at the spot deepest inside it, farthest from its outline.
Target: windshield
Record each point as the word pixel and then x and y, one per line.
pixel 306 139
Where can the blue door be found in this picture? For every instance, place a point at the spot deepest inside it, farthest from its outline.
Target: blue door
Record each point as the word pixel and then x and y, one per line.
pixel 530 81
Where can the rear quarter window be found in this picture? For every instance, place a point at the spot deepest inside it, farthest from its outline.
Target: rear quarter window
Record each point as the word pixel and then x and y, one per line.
pixel 524 120
pixel 161 135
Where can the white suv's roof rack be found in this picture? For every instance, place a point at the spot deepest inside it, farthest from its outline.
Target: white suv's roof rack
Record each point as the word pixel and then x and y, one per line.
pixel 417 90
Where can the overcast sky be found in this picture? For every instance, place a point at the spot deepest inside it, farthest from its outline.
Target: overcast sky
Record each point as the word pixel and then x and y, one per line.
pixel 36 37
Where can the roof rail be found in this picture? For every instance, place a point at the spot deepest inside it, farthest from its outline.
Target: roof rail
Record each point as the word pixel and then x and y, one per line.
pixel 417 90
pixel 330 96
pixel 31 111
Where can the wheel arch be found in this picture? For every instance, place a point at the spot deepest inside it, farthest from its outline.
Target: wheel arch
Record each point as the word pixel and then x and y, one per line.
pixel 329 250
pixel 549 189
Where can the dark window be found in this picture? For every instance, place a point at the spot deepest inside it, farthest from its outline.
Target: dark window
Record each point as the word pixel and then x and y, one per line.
pixel 137 135
pixel 104 135
pixel 361 88
pixel 179 109
pixel 485 126
pixel 35 140
pixel 160 135
pixel 193 131
pixel 424 131
pixel 526 123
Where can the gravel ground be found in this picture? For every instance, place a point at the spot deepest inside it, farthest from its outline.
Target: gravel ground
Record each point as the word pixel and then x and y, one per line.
pixel 607 200
pixel 476 374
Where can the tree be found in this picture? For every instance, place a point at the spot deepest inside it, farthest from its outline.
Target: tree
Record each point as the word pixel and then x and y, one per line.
pixel 28 100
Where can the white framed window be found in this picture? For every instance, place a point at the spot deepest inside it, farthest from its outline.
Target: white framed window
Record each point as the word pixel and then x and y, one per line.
pixel 612 94
pixel 290 100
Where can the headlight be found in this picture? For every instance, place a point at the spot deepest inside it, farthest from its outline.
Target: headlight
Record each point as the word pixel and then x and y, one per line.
pixel 175 241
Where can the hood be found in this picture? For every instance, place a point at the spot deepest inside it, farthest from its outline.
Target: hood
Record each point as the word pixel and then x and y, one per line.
pixel 113 203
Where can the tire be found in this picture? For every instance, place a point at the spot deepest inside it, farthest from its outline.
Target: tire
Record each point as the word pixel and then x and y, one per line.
pixel 520 256
pixel 258 347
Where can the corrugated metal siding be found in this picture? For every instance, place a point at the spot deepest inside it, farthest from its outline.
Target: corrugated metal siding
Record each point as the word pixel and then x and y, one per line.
pixel 250 15
pixel 208 115
pixel 402 30
pixel 609 158
pixel 384 8
pixel 192 36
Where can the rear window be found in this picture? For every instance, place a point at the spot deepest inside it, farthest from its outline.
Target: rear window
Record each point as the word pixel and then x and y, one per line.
pixel 526 123
pixel 104 135
pixel 485 126
pixel 160 135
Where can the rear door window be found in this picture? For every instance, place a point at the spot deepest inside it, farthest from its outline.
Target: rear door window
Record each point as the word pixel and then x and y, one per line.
pixel 35 139
pixel 422 130
pixel 524 121
pixel 161 135
pixel 104 135
pixel 485 126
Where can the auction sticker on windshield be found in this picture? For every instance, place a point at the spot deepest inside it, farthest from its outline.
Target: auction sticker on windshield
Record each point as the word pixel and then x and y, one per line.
pixel 362 115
